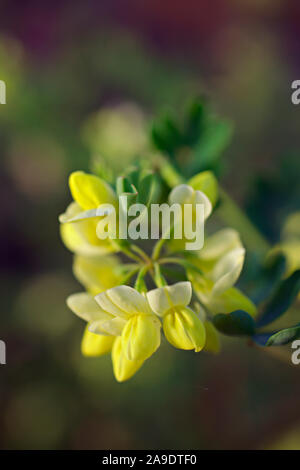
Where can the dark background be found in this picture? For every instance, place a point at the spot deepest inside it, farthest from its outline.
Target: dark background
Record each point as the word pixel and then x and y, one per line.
pixel 63 62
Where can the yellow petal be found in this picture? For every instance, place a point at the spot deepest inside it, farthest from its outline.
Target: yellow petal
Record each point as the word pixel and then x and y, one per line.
pixel 141 337
pixel 207 183
pixel 96 273
pixel 111 327
pixel 164 298
pixel 89 191
pixel 96 345
pixel 212 343
pixel 227 270
pixel 85 307
pixel 122 367
pixel 81 237
pixel 219 244
pixel 184 330
pixel 123 301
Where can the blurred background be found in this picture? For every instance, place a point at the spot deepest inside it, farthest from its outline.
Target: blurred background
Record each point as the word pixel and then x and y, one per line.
pixel 74 71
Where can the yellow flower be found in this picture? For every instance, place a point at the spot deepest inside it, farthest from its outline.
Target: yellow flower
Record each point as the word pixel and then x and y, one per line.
pixel 96 273
pixel 141 333
pixel 77 231
pixel 102 334
pixel 182 327
pixel 221 261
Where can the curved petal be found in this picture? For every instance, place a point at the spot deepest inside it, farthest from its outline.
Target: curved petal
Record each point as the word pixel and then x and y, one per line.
pixel 141 337
pixel 81 237
pixel 123 301
pixel 85 307
pixel 219 244
pixel 89 191
pixel 181 194
pixel 207 183
pixel 184 330
pixel 227 270
pixel 164 298
pixel 122 367
pixel 201 198
pixel 96 345
pixel 112 327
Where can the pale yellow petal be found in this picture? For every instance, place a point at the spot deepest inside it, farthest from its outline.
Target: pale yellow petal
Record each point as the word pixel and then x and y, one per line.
pixel 164 298
pixel 123 301
pixel 85 307
pixel 122 367
pixel 227 271
pixel 220 243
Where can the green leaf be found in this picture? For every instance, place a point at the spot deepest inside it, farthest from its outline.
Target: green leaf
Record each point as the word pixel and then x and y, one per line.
pixel 212 143
pixel 125 188
pixel 281 300
pixel 146 189
pixel 165 134
pixel 194 122
pixel 268 277
pixel 284 336
pixel 238 323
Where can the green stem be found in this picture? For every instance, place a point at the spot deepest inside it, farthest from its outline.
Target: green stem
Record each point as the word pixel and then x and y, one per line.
pixel 231 214
pixel 158 277
pixel 170 174
pixel 140 284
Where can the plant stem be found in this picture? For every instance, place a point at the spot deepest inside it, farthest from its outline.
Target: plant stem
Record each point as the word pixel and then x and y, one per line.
pixel 230 213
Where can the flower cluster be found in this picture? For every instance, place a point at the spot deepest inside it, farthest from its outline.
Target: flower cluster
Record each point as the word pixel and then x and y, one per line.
pixel 124 316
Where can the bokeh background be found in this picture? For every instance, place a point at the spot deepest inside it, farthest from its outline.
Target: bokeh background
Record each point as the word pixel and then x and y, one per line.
pixel 63 63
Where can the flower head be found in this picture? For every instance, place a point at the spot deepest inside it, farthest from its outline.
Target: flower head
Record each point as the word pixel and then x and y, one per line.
pixel 141 332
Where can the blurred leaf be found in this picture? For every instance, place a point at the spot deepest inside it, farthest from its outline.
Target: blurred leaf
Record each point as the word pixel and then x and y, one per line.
pixel 212 143
pixel 238 323
pixel 165 134
pixel 195 121
pixel 146 189
pixel 125 188
pixel 284 336
pixel 281 300
pixel 268 278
